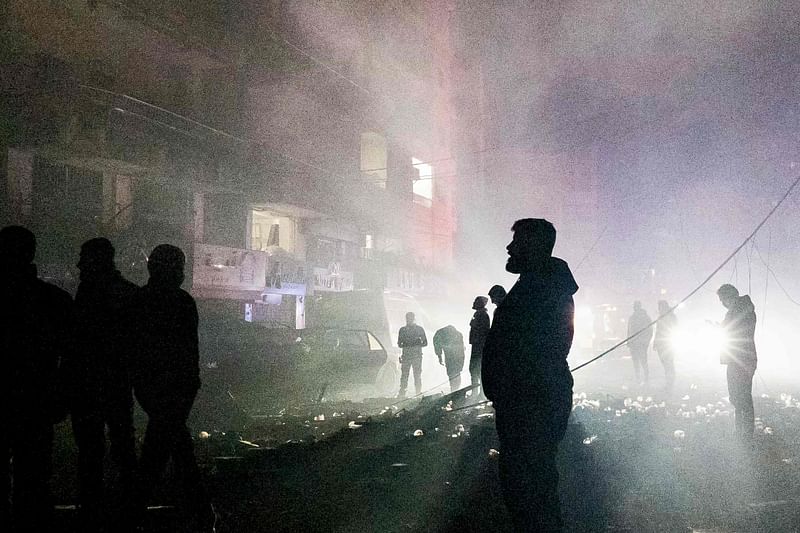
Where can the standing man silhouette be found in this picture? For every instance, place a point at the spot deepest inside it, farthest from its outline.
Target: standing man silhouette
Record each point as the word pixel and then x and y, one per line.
pixel 34 335
pixel 166 377
pixel 100 390
pixel 663 342
pixel 525 374
pixel 411 339
pixel 478 329
pixel 740 357
pixel 638 345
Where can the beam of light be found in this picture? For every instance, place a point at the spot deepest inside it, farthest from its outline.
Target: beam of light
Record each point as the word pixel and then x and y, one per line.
pixel 698 345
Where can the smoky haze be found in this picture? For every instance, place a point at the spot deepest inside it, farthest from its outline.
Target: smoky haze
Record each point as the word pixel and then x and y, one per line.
pixel 329 166
pixel 659 134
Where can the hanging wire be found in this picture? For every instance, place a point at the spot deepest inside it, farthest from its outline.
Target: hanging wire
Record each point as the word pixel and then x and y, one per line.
pixel 777 281
pixel 591 248
pixel 766 281
pixel 702 284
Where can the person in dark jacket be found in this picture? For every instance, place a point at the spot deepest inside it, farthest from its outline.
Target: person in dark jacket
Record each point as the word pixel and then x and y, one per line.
pixel 165 374
pixel 34 335
pixel 740 357
pixel 100 391
pixel 526 376
pixel 478 329
pixel 663 341
pixel 639 344
pixel 411 339
pixel 449 342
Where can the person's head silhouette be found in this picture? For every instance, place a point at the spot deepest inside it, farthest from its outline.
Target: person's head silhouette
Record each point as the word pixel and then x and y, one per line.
pixel 17 248
pixel 410 318
pixel 480 302
pixel 97 258
pixel 497 293
pixel 728 294
pixel 532 245
pixel 637 305
pixel 165 265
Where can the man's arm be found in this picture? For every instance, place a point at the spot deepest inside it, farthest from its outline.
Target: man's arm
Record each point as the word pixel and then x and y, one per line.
pixel 424 339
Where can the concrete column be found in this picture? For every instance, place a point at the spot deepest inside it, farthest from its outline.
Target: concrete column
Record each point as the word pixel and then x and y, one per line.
pixel 117 201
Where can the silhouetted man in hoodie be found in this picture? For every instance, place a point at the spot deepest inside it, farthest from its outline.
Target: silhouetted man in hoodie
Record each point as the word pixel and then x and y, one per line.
pixel 740 356
pixel 525 374
pixel 34 334
pixel 478 329
pixel 448 342
pixel 166 377
pixel 100 390
pixel 639 322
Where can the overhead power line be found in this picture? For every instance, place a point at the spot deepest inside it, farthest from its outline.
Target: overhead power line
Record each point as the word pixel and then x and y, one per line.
pixel 702 284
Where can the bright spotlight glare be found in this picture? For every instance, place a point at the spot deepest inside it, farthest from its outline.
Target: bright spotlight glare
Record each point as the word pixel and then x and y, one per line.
pixel 681 341
pixel 712 340
pixel 705 341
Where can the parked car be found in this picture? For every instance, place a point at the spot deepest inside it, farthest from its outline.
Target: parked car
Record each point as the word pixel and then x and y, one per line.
pixel 341 356
pixel 257 365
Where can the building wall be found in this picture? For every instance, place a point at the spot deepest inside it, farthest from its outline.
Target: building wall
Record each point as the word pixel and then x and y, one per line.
pixel 170 121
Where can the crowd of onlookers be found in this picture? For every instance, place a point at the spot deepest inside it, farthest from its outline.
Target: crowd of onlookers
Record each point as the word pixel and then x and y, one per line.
pixel 88 358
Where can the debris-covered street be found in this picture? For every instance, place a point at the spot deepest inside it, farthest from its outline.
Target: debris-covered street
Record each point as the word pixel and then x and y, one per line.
pixel 631 462
pixel 399 266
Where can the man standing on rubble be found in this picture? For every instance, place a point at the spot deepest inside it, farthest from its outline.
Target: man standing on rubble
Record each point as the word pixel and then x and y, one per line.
pixel 165 374
pixel 663 342
pixel 525 374
pixel 100 391
pixel 34 336
pixel 739 355
pixel 640 322
pixel 449 342
pixel 478 329
pixel 411 340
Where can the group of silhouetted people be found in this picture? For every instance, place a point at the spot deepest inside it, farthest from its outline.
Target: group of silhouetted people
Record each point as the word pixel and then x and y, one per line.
pixel 640 331
pixel 448 344
pixel 519 360
pixel 88 359
pixel 738 353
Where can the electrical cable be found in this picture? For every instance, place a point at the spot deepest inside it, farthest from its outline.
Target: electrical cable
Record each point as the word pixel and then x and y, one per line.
pixel 778 281
pixel 591 248
pixel 766 281
pixel 704 282
pixel 315 60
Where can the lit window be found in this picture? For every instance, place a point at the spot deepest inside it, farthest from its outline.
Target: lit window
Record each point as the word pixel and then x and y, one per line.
pixel 270 230
pixel 423 183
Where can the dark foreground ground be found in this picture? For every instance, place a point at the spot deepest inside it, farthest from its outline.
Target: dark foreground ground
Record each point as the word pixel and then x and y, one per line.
pixel 633 461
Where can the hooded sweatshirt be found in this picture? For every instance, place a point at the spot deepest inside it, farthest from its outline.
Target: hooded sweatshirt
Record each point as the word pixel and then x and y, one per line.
pixel 525 354
pixel 740 329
